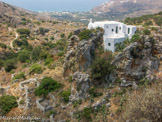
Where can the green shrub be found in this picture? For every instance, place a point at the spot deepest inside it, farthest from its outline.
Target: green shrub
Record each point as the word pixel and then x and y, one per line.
pixel 2 45
pixel 122 45
pixel 77 102
pixel 42 30
pixel 135 38
pixel 48 60
pixel 7 102
pixel 47 85
pixel 23 36
pixel 101 68
pixel 36 68
pixel 24 56
pixel 46 38
pixel 148 23
pixel 85 114
pixel 85 34
pixel 62 35
pixel 49 45
pixel 44 54
pixel 35 55
pixel 70 79
pixel 52 65
pixel 20 75
pixel 22 102
pixel 69 36
pixel 24 31
pixel 158 21
pixel 146 32
pixel 10 64
pixel 93 92
pixel 52 38
pixel 20 43
pixel 38 23
pixel 60 54
pixel 65 95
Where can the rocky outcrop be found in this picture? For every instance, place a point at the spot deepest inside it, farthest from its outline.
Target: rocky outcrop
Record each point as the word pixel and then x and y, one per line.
pixel 80 53
pixel 80 86
pixel 137 61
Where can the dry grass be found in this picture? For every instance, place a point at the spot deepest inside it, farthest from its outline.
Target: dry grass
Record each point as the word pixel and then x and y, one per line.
pixel 145 105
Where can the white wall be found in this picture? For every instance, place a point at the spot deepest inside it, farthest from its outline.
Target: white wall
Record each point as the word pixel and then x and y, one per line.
pixel 106 42
pixel 112 41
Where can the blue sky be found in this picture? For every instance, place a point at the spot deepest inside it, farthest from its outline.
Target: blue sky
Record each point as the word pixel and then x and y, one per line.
pixel 56 5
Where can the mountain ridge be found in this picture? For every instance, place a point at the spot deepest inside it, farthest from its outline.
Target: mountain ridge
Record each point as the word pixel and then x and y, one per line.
pixel 129 8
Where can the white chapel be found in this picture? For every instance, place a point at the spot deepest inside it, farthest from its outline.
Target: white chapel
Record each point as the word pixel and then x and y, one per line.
pixel 115 32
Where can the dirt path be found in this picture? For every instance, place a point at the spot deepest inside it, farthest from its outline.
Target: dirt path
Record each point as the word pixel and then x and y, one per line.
pixel 16 37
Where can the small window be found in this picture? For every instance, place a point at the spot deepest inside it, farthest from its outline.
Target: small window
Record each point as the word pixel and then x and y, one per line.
pixel 109 44
pixel 116 29
pixel 128 30
pixel 107 26
pixel 112 30
pixel 119 28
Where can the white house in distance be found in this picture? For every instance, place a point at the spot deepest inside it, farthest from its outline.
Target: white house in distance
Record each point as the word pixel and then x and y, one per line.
pixel 115 32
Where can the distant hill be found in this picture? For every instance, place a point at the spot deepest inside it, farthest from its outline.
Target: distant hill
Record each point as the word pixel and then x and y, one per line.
pixel 11 14
pixel 14 15
pixel 129 8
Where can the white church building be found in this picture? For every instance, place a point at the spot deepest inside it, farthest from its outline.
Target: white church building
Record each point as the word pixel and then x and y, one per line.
pixel 115 32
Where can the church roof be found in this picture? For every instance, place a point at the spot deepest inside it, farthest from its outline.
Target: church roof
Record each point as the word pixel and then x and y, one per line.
pixel 107 22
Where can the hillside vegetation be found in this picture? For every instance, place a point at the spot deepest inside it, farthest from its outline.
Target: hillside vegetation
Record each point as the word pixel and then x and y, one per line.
pixel 59 71
pixel 146 20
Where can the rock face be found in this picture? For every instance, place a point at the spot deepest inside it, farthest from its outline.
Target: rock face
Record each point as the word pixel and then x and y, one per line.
pixel 80 53
pixel 138 61
pixel 80 86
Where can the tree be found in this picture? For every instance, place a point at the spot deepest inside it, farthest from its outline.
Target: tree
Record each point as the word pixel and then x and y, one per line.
pixel 47 85
pixel 7 102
